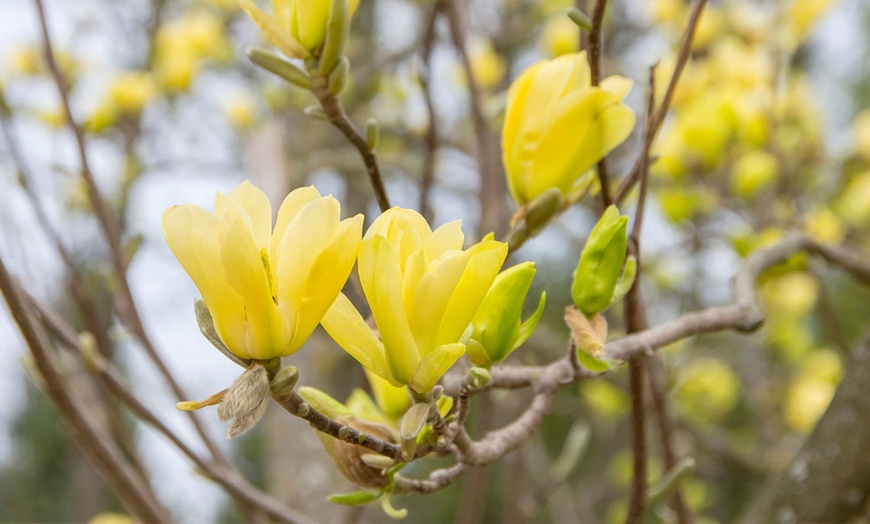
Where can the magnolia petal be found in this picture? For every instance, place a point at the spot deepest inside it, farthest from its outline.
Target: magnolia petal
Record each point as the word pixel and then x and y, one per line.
pixel 497 321
pixel 382 284
pixel 618 85
pixel 192 234
pixel 290 207
pixel 415 269
pixel 311 19
pixel 282 10
pixel 393 401
pixel 527 327
pixel 257 205
pixel 590 123
pixel 346 326
pixel 432 298
pixel 273 31
pixel 305 238
pixel 268 331
pixel 512 153
pixel 446 238
pixel 433 366
pixel 326 278
pixel 486 260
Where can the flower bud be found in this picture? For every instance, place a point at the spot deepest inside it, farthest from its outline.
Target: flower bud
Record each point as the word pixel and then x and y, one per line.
pixel 600 266
pixel 497 326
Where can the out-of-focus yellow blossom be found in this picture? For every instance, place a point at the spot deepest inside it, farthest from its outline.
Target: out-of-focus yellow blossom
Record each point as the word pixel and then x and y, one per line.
pixel 604 398
pixel 266 289
pixel 27 60
pixel 682 202
pixel 668 11
pixel 103 117
pixel 793 294
pixel 423 290
pixel 753 172
pixel 708 390
pixel 240 111
pixel 111 518
pixel 130 92
pixel 861 134
pixel 560 36
pixel 55 118
pixel 557 126
pixel 853 205
pixel 486 65
pixel 298 27
pixel 822 225
pixel 805 401
pixel 709 27
pixel 183 44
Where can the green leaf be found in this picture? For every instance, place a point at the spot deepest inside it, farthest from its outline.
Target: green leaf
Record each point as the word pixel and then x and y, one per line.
pixel 354 498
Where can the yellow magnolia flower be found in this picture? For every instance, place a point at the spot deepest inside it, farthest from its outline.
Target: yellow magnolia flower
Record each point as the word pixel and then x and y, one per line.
pixel 298 27
pixel 557 126
pixel 423 290
pixel 266 290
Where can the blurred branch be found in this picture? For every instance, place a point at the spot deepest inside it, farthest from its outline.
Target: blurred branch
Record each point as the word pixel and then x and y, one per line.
pixel 133 491
pixel 829 479
pixel 682 58
pixel 491 201
pixel 425 76
pixel 236 486
pixel 111 230
pixel 594 57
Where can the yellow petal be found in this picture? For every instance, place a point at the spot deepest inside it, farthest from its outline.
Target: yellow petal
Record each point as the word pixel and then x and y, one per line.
pixel 381 281
pixel 393 401
pixel 486 259
pixel 346 326
pixel 326 278
pixel 445 238
pixel 305 238
pixel 433 296
pixel 311 19
pixel 273 31
pixel 434 365
pixel 295 201
pixel 282 16
pixel 192 234
pixel 259 209
pixel 268 332
pixel 590 123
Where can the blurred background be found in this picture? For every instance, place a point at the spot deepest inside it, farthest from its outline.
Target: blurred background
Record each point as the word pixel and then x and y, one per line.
pixel 769 133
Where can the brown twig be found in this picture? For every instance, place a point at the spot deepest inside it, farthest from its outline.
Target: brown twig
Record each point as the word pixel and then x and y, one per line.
pixel 594 57
pixel 294 404
pixel 90 437
pixel 682 58
pixel 491 203
pixel 438 480
pixel 428 175
pixel 338 118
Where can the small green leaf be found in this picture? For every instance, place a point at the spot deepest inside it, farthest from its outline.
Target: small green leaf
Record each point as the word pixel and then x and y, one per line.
pixel 393 513
pixel 280 67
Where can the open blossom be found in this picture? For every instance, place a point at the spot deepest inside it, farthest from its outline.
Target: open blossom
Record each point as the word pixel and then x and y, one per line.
pixel 266 289
pixel 423 290
pixel 557 125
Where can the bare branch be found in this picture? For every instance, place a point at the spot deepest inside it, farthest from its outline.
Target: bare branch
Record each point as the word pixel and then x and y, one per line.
pixel 594 58
pixel 438 479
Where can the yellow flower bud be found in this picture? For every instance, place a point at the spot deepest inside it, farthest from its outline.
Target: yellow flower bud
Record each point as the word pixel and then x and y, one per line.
pixel 557 126
pixel 423 290
pixel 266 289
pixel 298 27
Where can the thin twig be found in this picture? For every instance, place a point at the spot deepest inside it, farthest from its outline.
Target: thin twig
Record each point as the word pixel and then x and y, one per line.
pixel 294 404
pixel 338 117
pixel 594 57
pixel 438 479
pixel 491 204
pixel 682 58
pixel 425 76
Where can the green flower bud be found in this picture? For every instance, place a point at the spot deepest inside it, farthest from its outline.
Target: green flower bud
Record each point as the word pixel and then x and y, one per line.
pixel 600 266
pixel 280 67
pixel 497 326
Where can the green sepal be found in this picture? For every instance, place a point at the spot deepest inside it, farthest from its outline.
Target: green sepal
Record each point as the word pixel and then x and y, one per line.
pixel 580 18
pixel 206 326
pixel 316 112
pixel 338 77
pixel 591 363
pixel 541 209
pixel 280 67
pixel 528 327
pixel 372 133
pixel 337 34
pixel 354 498
pixel 625 281
pixel 393 513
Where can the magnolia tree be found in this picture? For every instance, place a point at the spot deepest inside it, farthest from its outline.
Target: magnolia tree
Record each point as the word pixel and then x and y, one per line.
pixel 461 360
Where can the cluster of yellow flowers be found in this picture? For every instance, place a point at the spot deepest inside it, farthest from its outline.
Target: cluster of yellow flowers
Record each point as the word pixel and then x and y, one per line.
pixel 268 288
